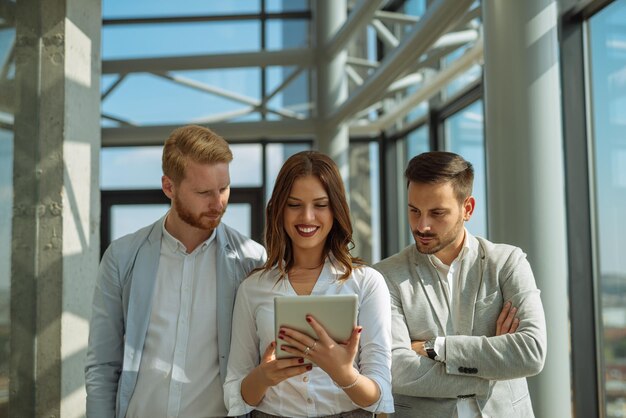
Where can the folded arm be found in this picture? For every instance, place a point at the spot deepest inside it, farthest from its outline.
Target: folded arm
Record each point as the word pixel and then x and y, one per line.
pixel 415 375
pixel 507 356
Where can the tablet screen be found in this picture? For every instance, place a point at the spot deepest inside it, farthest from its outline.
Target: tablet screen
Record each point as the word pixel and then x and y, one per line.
pixel 336 313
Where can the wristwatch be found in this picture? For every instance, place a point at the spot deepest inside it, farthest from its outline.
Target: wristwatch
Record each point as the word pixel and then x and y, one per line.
pixel 429 347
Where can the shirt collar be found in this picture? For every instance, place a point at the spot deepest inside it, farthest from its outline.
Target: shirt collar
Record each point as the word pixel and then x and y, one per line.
pixel 175 245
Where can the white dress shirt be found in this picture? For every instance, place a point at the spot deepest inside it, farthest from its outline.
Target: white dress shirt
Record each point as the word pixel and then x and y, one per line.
pixel 179 370
pixel 313 393
pixel 449 276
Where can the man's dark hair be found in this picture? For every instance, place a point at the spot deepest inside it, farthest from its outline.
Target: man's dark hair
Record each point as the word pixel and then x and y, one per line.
pixel 441 167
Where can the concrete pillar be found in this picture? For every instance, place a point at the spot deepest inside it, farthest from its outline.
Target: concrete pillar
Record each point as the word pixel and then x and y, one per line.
pixel 525 169
pixel 332 86
pixel 56 203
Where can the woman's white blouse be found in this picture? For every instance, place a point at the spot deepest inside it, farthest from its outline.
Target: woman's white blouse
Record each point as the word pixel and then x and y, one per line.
pixel 313 393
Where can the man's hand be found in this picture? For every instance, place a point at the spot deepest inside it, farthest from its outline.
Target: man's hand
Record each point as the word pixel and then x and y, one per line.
pixel 418 347
pixel 507 323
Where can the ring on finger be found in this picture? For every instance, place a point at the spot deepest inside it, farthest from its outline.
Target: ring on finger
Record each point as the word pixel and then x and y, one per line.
pixel 306 351
pixel 313 346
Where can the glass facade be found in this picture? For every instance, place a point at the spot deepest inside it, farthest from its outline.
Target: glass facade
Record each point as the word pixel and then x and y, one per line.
pixel 364 201
pixel 126 219
pixel 415 143
pixel 607 56
pixel 465 136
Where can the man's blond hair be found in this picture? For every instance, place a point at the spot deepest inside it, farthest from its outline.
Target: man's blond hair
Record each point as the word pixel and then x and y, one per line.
pixel 195 143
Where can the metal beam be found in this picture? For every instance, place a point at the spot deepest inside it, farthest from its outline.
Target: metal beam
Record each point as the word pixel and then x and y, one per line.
pixel 284 84
pixel 404 82
pixel 205 88
pixel 385 34
pixel 285 57
pixel 7 96
pixel 305 14
pixel 357 19
pixel 361 62
pixel 456 38
pixel 113 118
pixel 438 18
pixel 393 17
pixel 233 132
pixel 353 75
pixel 224 116
pixel 112 87
pixel 431 87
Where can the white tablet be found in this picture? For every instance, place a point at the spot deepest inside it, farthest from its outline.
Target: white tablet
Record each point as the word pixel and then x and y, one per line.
pixel 336 313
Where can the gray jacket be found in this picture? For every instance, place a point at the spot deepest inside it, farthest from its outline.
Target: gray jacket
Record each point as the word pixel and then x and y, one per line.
pixel 493 368
pixel 122 305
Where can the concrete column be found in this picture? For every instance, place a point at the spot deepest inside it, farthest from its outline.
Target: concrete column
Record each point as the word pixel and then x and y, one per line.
pixel 56 203
pixel 525 169
pixel 332 87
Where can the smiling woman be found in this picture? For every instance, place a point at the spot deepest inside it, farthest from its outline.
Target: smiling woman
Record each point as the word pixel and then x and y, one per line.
pixel 308 238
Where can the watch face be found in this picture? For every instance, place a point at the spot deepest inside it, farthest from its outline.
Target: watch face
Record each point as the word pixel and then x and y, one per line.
pixel 429 343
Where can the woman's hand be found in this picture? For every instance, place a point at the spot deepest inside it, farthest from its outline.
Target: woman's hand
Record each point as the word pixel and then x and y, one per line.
pixel 273 371
pixel 270 372
pixel 334 358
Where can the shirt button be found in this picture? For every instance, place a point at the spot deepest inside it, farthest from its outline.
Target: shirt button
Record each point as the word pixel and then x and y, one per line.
pixel 305 379
pixel 309 400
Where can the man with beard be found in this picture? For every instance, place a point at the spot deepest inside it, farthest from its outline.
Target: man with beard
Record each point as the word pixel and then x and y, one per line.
pixel 467 320
pixel 160 330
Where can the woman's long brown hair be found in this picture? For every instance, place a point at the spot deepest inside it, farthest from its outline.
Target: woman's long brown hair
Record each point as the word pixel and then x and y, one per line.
pixel 339 241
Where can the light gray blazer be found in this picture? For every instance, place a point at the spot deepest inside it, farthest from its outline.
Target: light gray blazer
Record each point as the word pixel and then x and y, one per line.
pixel 122 305
pixel 493 368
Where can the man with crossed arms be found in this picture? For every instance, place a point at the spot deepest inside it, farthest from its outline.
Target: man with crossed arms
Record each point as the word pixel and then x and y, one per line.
pixel 467 320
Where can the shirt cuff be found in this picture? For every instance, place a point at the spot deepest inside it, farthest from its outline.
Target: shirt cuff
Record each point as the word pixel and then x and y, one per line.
pixel 440 349
pixel 384 404
pixel 236 405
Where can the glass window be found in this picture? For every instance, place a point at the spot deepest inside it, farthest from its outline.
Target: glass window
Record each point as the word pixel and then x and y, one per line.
pixel 464 136
pixel 149 99
pixel 125 168
pixel 293 97
pixel 6 218
pixel 126 219
pixel 287 33
pixel 466 78
pixel 277 6
pixel 276 155
pixel 415 143
pixel 419 111
pixel 7 38
pixel 365 200
pixel 414 7
pixel 173 39
pixel 157 8
pixel 130 168
pixel 607 47
pixel 246 169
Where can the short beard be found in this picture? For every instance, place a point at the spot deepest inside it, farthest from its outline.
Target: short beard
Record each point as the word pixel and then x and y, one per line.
pixel 444 241
pixel 196 221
